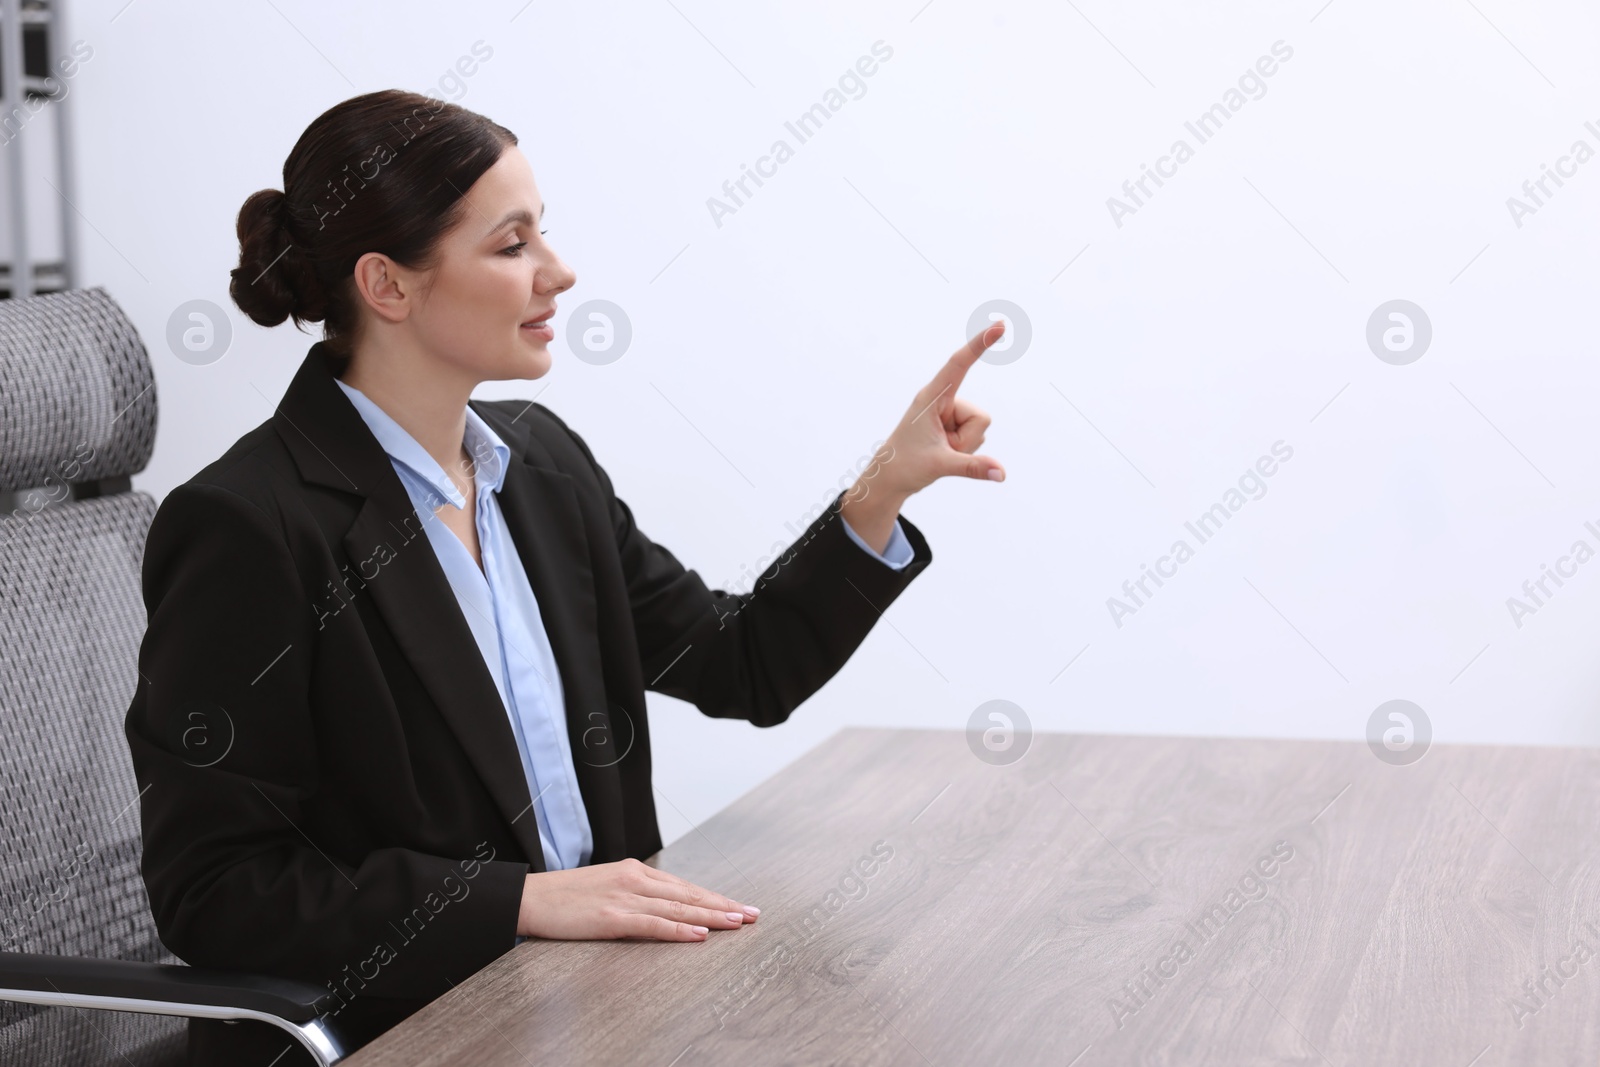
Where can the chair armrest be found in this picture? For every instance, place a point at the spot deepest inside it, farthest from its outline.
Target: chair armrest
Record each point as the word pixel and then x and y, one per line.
pixel 287 999
pixel 163 989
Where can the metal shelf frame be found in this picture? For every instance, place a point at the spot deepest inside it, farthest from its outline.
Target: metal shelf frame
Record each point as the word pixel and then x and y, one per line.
pixel 22 276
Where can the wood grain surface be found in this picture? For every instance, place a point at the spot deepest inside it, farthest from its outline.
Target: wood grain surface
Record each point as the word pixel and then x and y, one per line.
pixel 1103 900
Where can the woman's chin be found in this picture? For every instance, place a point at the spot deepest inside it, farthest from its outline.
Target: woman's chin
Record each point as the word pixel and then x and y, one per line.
pixel 517 366
pixel 533 361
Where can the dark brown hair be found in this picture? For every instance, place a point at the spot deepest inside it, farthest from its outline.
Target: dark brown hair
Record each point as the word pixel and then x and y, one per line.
pixel 383 172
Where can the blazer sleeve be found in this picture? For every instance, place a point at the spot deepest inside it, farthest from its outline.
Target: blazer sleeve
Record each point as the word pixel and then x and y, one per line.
pixel 756 655
pixel 223 742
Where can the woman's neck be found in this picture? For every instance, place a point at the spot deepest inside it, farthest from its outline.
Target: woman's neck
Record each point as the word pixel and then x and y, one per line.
pixel 428 405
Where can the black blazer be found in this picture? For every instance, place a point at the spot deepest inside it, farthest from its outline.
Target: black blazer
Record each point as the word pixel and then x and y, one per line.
pixel 331 790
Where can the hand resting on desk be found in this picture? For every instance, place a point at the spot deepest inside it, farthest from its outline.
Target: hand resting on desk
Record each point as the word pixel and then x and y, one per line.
pixel 620 900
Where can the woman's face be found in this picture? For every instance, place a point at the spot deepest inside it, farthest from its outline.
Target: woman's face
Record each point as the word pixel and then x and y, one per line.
pixel 494 274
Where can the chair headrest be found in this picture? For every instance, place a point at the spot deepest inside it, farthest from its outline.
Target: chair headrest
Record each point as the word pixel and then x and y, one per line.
pixel 77 391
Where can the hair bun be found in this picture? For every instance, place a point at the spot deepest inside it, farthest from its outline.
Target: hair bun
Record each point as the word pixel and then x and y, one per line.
pixel 275 279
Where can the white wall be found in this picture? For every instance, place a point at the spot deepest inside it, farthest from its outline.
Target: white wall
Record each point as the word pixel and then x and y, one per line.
pixel 1220 318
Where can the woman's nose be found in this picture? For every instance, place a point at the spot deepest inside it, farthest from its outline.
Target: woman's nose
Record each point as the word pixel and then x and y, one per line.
pixel 559 277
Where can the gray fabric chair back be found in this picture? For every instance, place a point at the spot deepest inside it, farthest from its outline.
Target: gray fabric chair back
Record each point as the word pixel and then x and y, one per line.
pixel 77 405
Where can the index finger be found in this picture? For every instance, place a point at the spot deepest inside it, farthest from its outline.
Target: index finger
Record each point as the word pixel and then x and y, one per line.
pixel 681 889
pixel 955 369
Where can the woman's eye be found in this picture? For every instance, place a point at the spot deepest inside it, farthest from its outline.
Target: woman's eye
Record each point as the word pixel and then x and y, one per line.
pixel 514 249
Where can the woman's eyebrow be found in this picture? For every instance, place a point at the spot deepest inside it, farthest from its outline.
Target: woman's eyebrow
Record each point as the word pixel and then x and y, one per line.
pixel 519 215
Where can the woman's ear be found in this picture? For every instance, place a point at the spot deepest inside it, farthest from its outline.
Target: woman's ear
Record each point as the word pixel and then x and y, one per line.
pixel 385 286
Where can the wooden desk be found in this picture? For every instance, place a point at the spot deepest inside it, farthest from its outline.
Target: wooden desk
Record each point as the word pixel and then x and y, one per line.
pixel 920 906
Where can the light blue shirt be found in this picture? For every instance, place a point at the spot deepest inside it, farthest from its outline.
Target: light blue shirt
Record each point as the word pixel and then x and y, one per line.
pixel 499 606
pixel 896 554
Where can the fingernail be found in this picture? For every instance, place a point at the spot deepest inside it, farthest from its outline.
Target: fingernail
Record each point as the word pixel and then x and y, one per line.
pixel 735 917
pixel 996 474
pixel 698 929
pixel 751 910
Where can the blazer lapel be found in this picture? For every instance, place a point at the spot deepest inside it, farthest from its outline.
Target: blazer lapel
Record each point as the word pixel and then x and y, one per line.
pixel 333 447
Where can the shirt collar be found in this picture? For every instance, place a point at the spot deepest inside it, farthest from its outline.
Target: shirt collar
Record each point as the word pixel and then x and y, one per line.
pixel 483 444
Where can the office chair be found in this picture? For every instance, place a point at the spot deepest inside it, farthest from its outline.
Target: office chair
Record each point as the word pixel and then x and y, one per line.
pixel 84 978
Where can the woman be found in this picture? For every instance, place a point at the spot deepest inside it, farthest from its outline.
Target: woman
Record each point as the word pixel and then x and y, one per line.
pixel 376 750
